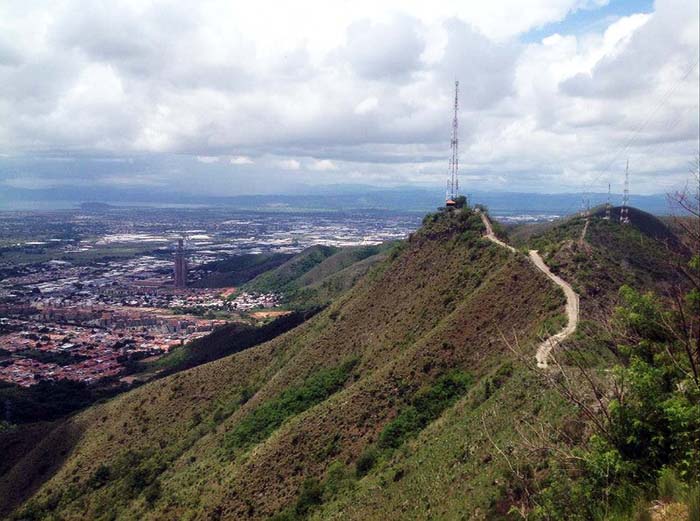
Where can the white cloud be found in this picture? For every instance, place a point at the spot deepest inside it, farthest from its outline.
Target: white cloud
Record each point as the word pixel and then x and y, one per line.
pixel 367 86
pixel 367 105
pixel 241 160
pixel 289 164
pixel 323 165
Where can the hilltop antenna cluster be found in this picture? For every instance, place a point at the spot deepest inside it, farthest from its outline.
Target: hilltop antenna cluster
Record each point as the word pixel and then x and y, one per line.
pixel 624 211
pixel 607 206
pixel 453 174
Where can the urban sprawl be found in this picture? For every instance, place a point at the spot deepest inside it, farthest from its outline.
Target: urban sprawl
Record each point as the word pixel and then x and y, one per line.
pixel 74 305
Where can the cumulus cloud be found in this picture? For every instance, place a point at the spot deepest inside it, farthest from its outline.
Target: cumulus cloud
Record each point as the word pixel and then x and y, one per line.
pixel 289 164
pixel 241 160
pixel 323 165
pixel 358 91
pixel 389 50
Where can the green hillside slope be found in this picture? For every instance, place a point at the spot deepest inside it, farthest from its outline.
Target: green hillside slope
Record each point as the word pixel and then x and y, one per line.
pixel 609 255
pixel 240 269
pixel 317 275
pixel 283 278
pixel 379 398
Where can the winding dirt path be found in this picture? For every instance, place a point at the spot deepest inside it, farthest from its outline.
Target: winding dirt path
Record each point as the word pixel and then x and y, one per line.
pixel 572 302
pixel 582 240
pixel 489 232
pixel 572 310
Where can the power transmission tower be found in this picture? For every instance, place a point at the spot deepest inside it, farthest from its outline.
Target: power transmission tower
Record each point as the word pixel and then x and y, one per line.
pixel 607 206
pixel 624 211
pixel 453 174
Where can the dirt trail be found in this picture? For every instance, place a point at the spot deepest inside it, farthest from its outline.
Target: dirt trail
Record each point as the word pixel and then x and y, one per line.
pixel 572 305
pixel 489 232
pixel 571 311
pixel 582 240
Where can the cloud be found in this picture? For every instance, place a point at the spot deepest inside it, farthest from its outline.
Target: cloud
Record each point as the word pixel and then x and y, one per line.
pixel 289 164
pixel 384 50
pixel 361 86
pixel 323 165
pixel 241 160
pixel 367 105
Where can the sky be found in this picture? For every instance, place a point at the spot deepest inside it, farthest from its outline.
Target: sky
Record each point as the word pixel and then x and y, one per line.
pixel 231 97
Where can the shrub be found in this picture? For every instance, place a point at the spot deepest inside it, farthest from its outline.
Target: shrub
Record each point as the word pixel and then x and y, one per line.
pixel 100 477
pixel 694 503
pixel 366 462
pixel 338 479
pixel 260 423
pixel 310 495
pixel 426 405
pixel 641 511
pixel 668 485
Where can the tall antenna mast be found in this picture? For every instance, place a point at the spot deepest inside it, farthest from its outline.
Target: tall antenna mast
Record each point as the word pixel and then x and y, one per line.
pixel 607 205
pixel 453 174
pixel 624 211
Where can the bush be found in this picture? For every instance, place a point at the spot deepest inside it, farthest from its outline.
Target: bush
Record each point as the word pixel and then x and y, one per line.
pixel 641 511
pixel 310 496
pixel 426 405
pixel 694 503
pixel 338 479
pixel 260 423
pixel 366 462
pixel 669 486
pixel 100 477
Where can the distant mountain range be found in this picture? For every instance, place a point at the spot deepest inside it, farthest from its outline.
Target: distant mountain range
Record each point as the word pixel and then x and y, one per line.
pixel 326 198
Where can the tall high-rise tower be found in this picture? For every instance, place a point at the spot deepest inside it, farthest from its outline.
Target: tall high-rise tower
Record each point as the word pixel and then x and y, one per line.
pixel 624 211
pixel 453 174
pixel 180 265
pixel 607 206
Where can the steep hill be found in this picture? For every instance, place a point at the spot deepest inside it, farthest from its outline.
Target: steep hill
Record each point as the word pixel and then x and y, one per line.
pixel 282 278
pixel 379 406
pixel 606 256
pixel 319 274
pixel 240 269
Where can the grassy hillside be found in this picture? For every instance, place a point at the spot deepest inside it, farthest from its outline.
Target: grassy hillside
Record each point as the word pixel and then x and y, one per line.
pixel 609 256
pixel 319 274
pixel 240 269
pixel 374 407
pixel 282 278
pixel 226 340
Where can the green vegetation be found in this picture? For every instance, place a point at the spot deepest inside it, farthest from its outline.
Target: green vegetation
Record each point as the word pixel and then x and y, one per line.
pixel 425 406
pixel 49 400
pixel 226 340
pixel 282 278
pixel 241 269
pixel 265 419
pixel 51 357
pixel 646 441
pixel 401 399
pixel 318 275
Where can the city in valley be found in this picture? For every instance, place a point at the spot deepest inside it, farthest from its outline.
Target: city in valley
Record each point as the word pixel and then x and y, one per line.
pixel 83 292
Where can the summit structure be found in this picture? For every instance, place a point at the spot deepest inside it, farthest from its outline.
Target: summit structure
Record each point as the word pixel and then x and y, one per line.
pixel 453 173
pixel 624 211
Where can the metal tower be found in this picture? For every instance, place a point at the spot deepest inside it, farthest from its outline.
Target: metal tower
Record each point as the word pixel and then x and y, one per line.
pixel 607 206
pixel 624 211
pixel 453 174
pixel 180 265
